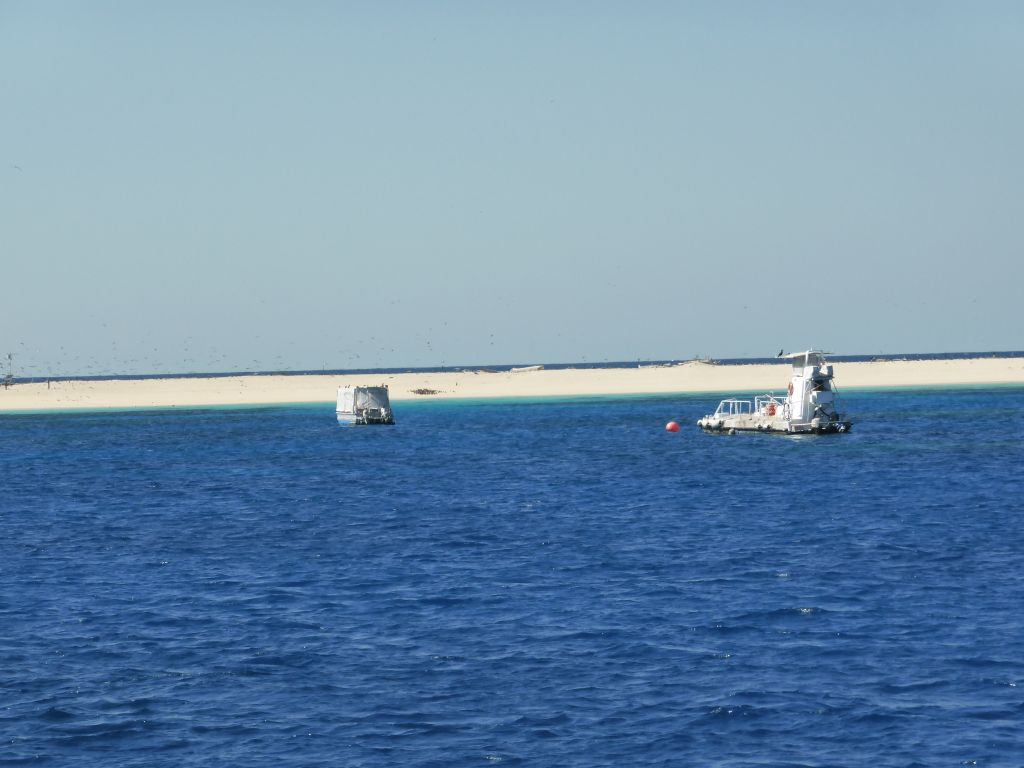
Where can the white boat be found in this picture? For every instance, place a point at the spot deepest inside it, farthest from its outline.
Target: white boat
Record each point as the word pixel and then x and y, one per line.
pixel 810 405
pixel 364 405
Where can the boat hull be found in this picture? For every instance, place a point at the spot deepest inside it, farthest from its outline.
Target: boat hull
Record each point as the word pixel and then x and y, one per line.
pixel 759 423
pixel 360 419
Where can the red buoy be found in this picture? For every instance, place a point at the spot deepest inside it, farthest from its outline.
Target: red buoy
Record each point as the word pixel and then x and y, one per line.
pixel 672 427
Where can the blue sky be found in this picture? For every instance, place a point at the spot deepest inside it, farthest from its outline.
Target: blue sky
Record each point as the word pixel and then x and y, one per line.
pixel 233 186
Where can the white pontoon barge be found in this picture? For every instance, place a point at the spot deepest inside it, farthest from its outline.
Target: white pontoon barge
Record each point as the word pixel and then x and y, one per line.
pixel 364 405
pixel 809 407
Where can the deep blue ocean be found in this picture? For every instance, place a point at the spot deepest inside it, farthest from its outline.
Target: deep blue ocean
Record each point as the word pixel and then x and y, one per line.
pixel 548 583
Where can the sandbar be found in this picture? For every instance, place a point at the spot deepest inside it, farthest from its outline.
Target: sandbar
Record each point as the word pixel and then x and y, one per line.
pixel 688 377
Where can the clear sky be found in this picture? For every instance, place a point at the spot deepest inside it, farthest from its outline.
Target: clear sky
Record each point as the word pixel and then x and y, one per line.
pixel 196 186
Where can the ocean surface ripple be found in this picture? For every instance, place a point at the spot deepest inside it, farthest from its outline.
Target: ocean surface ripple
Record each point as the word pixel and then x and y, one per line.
pixel 551 583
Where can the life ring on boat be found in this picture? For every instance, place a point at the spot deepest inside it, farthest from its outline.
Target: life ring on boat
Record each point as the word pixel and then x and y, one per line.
pixel 790 389
pixel 771 409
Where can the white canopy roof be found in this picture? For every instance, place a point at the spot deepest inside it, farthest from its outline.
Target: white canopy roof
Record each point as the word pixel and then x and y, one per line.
pixel 794 355
pixel 808 357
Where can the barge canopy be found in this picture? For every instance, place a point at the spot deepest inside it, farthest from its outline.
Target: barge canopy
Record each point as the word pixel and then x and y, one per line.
pixel 364 405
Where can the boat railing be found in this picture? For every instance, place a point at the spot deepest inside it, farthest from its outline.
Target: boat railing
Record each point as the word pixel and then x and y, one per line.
pixel 770 405
pixel 733 407
pixel 764 405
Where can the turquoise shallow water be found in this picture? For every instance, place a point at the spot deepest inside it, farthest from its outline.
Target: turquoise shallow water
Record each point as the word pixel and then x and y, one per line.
pixel 521 583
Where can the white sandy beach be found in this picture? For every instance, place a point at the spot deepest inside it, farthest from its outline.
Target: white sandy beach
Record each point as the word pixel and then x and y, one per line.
pixel 685 377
